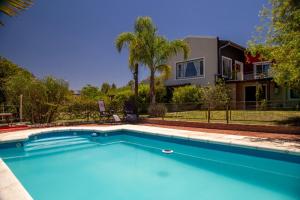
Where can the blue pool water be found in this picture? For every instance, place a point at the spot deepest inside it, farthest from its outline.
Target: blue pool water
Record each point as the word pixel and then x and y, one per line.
pixel 131 166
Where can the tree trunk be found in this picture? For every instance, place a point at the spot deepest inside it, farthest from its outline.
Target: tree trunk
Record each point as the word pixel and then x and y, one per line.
pixel 136 87
pixel 152 87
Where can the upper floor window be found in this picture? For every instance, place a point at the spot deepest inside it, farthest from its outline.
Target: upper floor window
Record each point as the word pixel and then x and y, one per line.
pixel 226 67
pixel 190 69
pixel 262 70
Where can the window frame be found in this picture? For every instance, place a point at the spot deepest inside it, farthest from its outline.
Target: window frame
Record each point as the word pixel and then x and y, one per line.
pixel 225 76
pixel 184 68
pixel 242 68
pixel 290 97
pixel 255 64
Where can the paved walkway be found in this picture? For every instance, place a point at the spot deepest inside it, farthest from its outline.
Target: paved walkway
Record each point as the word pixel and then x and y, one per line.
pixel 280 136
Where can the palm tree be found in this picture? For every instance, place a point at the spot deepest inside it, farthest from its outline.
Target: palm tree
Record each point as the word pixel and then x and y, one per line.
pixel 156 50
pixel 148 48
pixel 13 7
pixel 132 40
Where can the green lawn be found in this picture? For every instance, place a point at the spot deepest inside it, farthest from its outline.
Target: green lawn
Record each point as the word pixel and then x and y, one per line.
pixel 240 116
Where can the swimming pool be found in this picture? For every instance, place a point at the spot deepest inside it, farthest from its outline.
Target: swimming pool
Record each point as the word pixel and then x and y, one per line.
pixel 120 165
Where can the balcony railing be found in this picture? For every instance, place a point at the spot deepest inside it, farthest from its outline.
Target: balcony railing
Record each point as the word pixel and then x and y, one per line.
pixel 255 76
pixel 238 76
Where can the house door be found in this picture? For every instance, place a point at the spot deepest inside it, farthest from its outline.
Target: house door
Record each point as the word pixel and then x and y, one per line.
pixel 250 96
pixel 239 70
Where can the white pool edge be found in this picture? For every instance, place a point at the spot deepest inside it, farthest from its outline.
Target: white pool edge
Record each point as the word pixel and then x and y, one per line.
pixel 232 140
pixel 17 191
pixel 10 186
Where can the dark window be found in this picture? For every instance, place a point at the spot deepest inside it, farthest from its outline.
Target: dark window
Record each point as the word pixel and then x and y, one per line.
pixel 262 70
pixel 294 94
pixel 179 71
pixel 188 69
pixel 226 67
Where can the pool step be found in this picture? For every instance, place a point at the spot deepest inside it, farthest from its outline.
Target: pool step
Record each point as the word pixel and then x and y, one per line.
pixel 50 139
pixel 54 143
pixel 61 149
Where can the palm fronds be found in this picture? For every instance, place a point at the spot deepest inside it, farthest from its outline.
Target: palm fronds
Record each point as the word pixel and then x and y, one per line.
pixel 13 7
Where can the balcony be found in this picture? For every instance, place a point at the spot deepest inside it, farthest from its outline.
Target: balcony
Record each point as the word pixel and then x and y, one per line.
pixel 246 76
pixel 257 76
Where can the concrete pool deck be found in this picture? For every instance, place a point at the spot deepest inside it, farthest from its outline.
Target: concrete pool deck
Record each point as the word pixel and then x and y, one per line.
pixel 11 188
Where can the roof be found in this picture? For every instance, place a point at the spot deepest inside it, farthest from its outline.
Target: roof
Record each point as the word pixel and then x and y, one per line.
pixel 201 36
pixel 224 42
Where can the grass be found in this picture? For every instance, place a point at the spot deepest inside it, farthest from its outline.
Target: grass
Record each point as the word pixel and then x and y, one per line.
pixel 240 117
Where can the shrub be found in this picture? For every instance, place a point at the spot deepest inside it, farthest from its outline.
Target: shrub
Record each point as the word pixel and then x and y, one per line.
pixel 187 94
pixel 160 94
pixel 81 107
pixel 42 99
pixel 119 99
pixel 157 110
pixel 216 96
pixel 90 92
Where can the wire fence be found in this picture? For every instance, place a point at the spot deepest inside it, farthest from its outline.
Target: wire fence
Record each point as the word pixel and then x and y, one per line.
pixel 264 112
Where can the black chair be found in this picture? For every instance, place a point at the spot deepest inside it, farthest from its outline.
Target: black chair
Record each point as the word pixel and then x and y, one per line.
pixel 130 112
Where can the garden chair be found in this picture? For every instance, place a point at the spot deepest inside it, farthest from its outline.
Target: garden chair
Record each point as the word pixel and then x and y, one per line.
pixel 130 112
pixel 107 114
pixel 102 110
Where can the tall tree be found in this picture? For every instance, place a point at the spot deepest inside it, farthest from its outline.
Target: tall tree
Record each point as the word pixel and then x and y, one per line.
pixel 133 42
pixel 105 87
pixel 156 50
pixel 13 7
pixel 148 48
pixel 278 40
pixel 163 50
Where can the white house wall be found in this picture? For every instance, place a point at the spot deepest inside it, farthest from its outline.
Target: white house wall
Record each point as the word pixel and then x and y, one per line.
pixel 201 47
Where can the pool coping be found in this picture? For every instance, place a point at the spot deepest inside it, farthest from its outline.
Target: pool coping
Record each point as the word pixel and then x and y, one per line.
pixel 252 142
pixel 10 186
pixel 12 190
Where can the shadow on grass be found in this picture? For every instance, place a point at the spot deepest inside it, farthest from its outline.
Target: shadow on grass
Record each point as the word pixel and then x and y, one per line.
pixel 291 121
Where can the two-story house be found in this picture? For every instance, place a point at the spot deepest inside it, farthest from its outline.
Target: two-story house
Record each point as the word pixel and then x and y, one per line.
pixel 211 58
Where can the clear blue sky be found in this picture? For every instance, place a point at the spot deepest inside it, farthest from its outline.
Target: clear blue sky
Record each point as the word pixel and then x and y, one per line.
pixel 74 39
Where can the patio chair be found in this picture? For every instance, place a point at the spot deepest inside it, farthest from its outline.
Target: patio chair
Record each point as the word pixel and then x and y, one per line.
pixel 130 112
pixel 102 111
pixel 107 114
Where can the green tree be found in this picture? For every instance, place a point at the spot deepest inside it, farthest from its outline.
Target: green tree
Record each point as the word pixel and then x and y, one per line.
pixel 156 50
pixel 90 92
pixel 13 7
pixel 34 95
pixel 105 87
pixel 133 42
pixel 113 86
pixel 57 91
pixel 278 40
pixel 7 70
pixel 42 99
pixel 187 94
pixel 216 96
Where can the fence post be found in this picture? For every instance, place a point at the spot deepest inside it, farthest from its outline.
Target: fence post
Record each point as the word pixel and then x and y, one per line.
pixel 3 110
pixel 208 113
pixel 21 108
pixel 227 117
